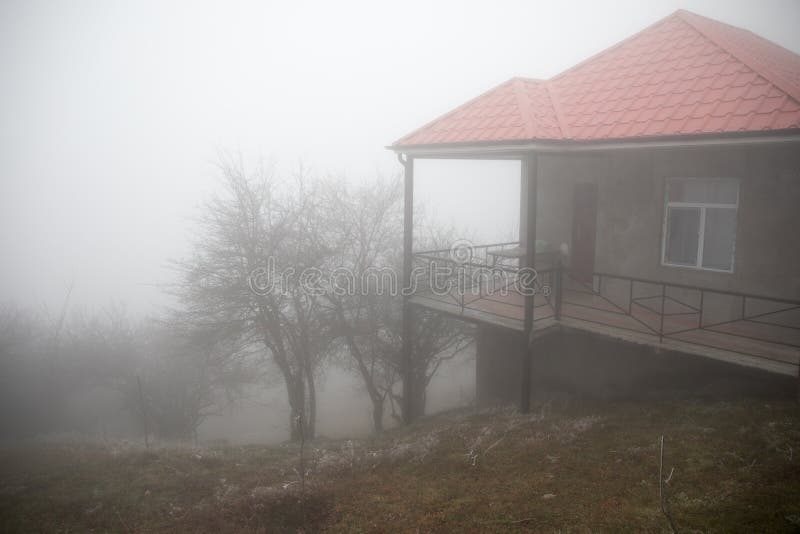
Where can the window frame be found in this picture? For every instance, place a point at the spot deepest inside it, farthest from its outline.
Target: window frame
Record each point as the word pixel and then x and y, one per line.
pixel 702 206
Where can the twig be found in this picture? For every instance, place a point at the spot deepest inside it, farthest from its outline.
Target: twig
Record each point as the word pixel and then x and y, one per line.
pixel 122 521
pixel 666 481
pixel 493 445
pixel 662 490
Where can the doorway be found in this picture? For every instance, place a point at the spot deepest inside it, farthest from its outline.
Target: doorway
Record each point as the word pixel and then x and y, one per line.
pixel 584 230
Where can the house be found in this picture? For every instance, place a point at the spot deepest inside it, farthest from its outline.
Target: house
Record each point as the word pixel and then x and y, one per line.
pixel 660 186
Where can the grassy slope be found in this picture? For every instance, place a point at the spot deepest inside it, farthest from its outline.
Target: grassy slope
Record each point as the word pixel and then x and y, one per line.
pixel 570 468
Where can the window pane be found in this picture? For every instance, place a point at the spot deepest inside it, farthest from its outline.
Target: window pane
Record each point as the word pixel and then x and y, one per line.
pixel 719 236
pixel 683 226
pixel 708 191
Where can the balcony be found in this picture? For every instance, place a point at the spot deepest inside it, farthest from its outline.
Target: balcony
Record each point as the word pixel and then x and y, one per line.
pixel 486 284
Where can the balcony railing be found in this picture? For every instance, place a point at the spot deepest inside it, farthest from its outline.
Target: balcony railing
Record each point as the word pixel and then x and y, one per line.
pixel 484 278
pixel 483 284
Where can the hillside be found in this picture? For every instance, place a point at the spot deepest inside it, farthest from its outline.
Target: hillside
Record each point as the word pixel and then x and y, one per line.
pixel 567 467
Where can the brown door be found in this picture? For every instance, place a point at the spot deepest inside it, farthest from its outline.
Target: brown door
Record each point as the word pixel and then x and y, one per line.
pixel 584 229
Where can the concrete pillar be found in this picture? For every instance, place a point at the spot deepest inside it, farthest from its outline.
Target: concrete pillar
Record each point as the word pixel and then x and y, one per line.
pixel 498 365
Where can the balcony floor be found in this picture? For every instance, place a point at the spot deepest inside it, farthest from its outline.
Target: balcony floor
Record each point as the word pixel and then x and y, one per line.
pixel 771 347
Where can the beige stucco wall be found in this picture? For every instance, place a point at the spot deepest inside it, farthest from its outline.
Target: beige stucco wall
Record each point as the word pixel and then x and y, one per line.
pixel 631 187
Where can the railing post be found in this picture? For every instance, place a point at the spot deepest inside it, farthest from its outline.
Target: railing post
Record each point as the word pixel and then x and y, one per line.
pixel 461 281
pixel 700 319
pixel 482 271
pixel 661 326
pixel 630 298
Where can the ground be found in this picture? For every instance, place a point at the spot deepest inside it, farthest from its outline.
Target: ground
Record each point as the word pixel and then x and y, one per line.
pixel 568 466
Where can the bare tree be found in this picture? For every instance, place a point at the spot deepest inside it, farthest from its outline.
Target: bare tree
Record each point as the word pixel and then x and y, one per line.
pixel 365 308
pixel 187 376
pixel 361 300
pixel 437 339
pixel 257 228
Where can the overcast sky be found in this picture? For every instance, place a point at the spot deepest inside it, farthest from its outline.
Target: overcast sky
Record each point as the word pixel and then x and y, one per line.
pixel 112 113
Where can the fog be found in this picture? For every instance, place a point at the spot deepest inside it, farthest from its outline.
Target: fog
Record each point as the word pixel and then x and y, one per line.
pixel 344 410
pixel 113 117
pixel 112 114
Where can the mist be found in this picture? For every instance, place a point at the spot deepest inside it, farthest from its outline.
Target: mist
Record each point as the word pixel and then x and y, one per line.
pixel 162 164
pixel 112 115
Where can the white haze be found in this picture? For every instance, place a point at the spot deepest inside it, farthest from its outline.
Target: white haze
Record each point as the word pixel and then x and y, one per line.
pixel 112 113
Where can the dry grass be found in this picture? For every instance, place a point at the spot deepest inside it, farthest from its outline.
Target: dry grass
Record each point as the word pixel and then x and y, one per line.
pixel 565 468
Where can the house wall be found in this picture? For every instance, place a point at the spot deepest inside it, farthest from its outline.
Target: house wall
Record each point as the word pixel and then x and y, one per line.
pixel 630 215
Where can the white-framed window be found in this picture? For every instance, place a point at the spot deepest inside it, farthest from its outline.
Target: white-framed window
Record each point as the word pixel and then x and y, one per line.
pixel 700 223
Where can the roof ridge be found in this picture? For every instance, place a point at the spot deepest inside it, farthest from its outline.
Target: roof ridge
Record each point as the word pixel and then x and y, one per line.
pixel 451 112
pixel 734 50
pixel 614 46
pixel 523 105
pixel 562 120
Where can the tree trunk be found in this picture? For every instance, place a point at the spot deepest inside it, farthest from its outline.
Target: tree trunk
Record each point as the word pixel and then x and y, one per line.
pixel 295 389
pixel 419 395
pixel 295 380
pixel 302 395
pixel 418 402
pixel 311 416
pixel 377 414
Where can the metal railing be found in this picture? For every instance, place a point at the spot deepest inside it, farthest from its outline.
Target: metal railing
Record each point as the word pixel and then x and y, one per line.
pixel 484 281
pixel 444 276
pixel 713 318
pixel 754 325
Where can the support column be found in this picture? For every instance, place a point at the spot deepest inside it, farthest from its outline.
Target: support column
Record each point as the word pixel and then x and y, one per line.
pixel 529 178
pixel 523 207
pixel 408 242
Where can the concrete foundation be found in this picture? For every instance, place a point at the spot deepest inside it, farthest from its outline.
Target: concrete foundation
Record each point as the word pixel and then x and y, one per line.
pixel 498 360
pixel 582 364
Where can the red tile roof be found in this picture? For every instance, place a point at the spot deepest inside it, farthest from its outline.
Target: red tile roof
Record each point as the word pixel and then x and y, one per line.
pixel 684 75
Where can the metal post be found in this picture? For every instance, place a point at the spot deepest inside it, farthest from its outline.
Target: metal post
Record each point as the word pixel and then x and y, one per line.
pixel 408 242
pixel 529 178
pixel 461 279
pixel 630 298
pixel 700 321
pixel 661 326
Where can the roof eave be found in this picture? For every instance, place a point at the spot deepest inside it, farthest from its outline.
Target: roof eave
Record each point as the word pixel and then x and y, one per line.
pixel 511 148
